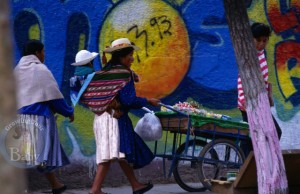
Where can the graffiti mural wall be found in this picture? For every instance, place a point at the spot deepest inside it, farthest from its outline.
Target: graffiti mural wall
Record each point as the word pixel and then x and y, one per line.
pixel 186 53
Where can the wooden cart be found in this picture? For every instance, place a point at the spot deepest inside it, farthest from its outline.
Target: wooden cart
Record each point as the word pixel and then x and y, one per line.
pixel 200 148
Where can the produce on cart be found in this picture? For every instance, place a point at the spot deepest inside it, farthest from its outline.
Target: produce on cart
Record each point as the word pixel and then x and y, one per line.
pixel 200 119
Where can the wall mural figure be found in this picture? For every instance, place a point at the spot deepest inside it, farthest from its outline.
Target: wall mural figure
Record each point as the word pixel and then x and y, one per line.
pixel 78 34
pixel 26 26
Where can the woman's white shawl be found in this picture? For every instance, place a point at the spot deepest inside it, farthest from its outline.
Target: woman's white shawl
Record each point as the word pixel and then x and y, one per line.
pixel 35 83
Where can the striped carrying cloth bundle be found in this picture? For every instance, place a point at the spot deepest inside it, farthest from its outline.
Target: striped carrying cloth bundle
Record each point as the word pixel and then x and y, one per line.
pixel 104 87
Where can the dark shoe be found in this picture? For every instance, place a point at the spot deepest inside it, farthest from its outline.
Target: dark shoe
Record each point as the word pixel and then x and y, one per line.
pixel 144 190
pixel 59 190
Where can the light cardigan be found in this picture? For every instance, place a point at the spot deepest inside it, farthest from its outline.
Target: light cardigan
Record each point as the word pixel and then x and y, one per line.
pixel 35 83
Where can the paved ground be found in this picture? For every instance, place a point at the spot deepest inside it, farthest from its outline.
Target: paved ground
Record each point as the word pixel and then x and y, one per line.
pixel 78 178
pixel 157 189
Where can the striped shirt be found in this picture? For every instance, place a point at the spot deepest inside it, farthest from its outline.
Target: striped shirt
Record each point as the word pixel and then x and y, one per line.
pixel 264 71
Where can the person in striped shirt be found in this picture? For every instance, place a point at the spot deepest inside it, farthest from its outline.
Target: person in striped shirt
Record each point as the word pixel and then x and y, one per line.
pixel 261 34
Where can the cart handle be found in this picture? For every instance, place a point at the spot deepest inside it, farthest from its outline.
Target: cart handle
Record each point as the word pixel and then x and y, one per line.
pixel 171 108
pixel 148 110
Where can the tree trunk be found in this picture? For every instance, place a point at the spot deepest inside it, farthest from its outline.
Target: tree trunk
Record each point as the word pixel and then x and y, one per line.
pixel 11 179
pixel 269 161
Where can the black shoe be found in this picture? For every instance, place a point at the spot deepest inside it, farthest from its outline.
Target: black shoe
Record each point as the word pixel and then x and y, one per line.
pixel 59 190
pixel 144 190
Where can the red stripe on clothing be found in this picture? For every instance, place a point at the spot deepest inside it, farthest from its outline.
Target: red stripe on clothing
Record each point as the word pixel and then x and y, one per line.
pixel 264 71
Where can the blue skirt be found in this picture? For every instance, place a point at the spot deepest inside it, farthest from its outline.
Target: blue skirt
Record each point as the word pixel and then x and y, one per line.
pixel 44 138
pixel 136 151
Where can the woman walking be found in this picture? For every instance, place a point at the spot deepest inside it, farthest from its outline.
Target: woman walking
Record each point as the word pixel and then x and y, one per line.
pixel 111 95
pixel 38 99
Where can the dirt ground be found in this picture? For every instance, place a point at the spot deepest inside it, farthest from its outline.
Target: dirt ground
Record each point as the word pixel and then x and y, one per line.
pixel 77 175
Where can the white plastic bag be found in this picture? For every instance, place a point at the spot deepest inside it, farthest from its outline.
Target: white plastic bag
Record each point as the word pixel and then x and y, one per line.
pixel 149 127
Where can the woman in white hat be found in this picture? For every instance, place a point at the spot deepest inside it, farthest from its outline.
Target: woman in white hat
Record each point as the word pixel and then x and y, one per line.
pixel 83 67
pixel 115 137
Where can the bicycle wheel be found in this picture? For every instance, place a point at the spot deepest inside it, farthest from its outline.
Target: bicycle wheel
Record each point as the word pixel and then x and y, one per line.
pixel 186 172
pixel 219 157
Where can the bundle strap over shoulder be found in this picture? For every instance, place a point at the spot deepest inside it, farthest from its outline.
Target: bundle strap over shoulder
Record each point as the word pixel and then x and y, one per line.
pixel 104 87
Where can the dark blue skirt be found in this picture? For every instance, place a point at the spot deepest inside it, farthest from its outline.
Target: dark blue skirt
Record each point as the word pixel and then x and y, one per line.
pixel 136 151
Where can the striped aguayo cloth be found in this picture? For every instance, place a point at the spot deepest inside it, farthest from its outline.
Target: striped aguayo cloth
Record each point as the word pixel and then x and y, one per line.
pixel 104 87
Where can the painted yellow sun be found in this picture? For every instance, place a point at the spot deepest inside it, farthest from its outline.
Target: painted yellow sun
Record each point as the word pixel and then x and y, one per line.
pixel 160 32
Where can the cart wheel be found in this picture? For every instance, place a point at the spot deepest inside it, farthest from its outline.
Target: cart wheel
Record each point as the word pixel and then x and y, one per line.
pixel 186 172
pixel 219 157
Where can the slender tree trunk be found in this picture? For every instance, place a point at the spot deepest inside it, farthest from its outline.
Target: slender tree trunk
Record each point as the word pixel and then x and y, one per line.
pixel 269 161
pixel 11 179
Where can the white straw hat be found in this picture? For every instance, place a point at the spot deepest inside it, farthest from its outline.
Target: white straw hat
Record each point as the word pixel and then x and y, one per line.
pixel 120 44
pixel 83 57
